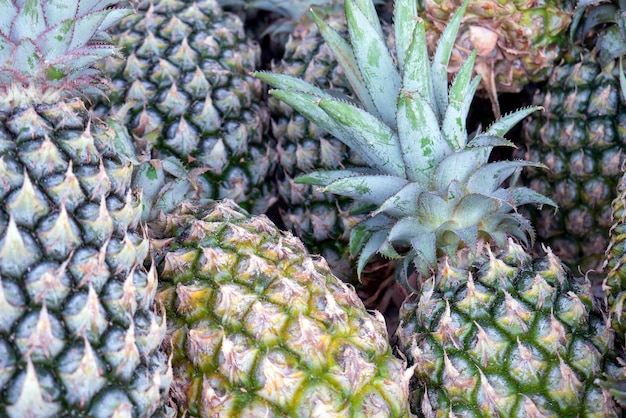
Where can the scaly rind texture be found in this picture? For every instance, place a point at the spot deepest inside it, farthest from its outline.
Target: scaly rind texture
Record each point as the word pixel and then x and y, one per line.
pixel 509 335
pixel 517 41
pixel 580 137
pixel 259 328
pixel 78 332
pixel 184 88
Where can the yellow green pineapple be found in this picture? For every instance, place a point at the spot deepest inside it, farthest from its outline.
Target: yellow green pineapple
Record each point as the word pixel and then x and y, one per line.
pixel 259 328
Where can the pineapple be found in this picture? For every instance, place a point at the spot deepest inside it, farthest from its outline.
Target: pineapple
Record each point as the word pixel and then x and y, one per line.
pixel 490 330
pixel 507 335
pixel 79 332
pixel 517 41
pixel 258 328
pixel 580 137
pixel 183 88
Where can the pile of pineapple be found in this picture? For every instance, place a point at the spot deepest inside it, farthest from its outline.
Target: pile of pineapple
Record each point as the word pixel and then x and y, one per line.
pixel 177 241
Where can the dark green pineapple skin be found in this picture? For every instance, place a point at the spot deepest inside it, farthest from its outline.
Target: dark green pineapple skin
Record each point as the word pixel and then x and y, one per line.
pixel 580 136
pixel 184 85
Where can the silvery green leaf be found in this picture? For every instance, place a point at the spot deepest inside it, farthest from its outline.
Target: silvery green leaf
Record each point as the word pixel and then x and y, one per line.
pixel 461 95
pixel 489 140
pixel 8 13
pixel 325 177
pixel 305 104
pixel 372 139
pixel 434 209
pixel 459 166
pixel 426 247
pixel 469 236
pixel 375 62
pixel 371 247
pixel 404 202
pixel 287 82
pixel 29 22
pixel 489 177
pixel 524 195
pixel 422 143
pixel 507 122
pixel 442 58
pixel 369 12
pixel 345 57
pixel 416 70
pixel 472 208
pixel 407 228
pixel 405 20
pixel 371 189
pixel 361 233
pixel 25 56
pixel 622 79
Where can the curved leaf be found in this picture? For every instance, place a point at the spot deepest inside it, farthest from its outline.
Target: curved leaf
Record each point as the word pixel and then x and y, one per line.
pixel 370 189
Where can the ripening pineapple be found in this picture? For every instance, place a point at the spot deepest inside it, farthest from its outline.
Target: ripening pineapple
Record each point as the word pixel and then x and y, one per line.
pixel 441 206
pixel 258 328
pixel 182 82
pixel 517 41
pixel 79 333
pixel 580 137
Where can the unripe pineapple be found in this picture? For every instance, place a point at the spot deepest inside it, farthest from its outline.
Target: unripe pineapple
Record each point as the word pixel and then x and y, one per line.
pixel 79 332
pixel 183 84
pixel 258 328
pixel 507 335
pixel 580 137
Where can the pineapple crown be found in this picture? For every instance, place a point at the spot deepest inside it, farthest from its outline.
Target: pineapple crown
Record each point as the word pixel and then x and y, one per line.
pixel 48 47
pixel 432 186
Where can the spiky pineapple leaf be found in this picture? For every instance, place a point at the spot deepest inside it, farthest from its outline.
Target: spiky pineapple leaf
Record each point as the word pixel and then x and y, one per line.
pixel 367 188
pixel 489 177
pixel 460 98
pixel 459 166
pixel 361 233
pixel 416 69
pixel 344 55
pixel 503 125
pixel 425 245
pixel 371 247
pixel 403 202
pixel 405 21
pixel 325 177
pixel 439 70
pixel 370 137
pixel 369 12
pixel 525 195
pixel 422 142
pixel 290 83
pixel 472 208
pixel 375 62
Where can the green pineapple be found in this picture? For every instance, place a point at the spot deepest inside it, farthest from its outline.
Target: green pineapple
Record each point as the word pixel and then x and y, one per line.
pixel 517 41
pixel 443 210
pixel 580 137
pixel 79 333
pixel 258 328
pixel 183 86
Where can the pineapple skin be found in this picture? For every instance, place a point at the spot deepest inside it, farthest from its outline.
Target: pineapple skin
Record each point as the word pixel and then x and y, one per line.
pixel 579 137
pixel 517 42
pixel 257 327
pixel 79 333
pixel 183 85
pixel 507 335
